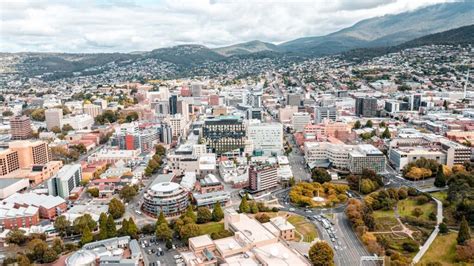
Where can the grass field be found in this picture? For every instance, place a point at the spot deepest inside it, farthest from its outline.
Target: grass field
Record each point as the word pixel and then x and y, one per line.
pixel 211 227
pixel 384 220
pixel 441 195
pixel 406 206
pixel 442 250
pixel 304 227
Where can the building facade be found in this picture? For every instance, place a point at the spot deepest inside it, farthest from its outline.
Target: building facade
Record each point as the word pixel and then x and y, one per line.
pixel 20 127
pixel 167 197
pixel 65 181
pixel 224 134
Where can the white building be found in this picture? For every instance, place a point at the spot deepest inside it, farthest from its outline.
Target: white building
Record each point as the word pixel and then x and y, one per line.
pixel 300 120
pixel 53 117
pixel 79 122
pixel 266 136
pixel 65 180
pixel 178 125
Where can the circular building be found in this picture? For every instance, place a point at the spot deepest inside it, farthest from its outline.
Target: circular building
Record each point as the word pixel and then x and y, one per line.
pixel 81 257
pixel 167 197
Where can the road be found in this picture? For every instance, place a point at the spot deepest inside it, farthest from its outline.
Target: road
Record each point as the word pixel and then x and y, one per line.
pixel 297 162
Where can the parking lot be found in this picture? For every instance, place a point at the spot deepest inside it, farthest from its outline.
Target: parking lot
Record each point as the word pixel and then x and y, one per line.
pixel 155 253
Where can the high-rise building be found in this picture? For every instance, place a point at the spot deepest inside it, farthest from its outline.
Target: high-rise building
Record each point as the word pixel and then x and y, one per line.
pixel 9 161
pixel 263 176
pixel 92 110
pixel 166 134
pixel 20 127
pixel 173 104
pixel 325 112
pixel 366 107
pixel 65 180
pixel 182 108
pixel 31 152
pixel 300 120
pixel 53 117
pixel 224 134
pixel 177 123
pixel 293 99
pixel 196 90
pixel 266 136
pixel 414 102
pixel 366 156
pixel 392 106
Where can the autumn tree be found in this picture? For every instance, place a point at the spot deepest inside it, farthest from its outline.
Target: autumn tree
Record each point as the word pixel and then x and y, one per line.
pixel 204 215
pixel 189 230
pixel 116 208
pixel 217 212
pixel 321 254
pixel 128 193
pixel 61 224
pixel 320 175
pixel 244 206
pixel 163 232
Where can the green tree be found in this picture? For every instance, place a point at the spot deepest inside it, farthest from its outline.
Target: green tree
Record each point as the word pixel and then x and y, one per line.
pixel 123 231
pixel 443 228
pixel 369 123
pixel 16 236
pixel 61 224
pixel 217 212
pixel 102 226
pixel 133 116
pixel 50 255
pixel 132 228
pixel 87 236
pixel 169 243
pixel 204 215
pixel 38 115
pixel 189 230
pixel 320 175
pixel 244 206
pixel 382 124
pixel 357 125
pixel 128 193
pixel 148 229
pixel 37 247
pixel 464 233
pixel 67 127
pixel 190 213
pixel 440 180
pixel 58 245
pixel 111 227
pixel 253 207
pixel 163 232
pixel 292 181
pixel 83 221
pixel 386 134
pixel 116 208
pixel 321 254
pixel 161 219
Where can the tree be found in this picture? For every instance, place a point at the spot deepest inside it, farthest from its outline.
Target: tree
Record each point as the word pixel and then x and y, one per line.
pixel 163 232
pixel 87 236
pixel 123 231
pixel 102 226
pixel 132 229
pixel 148 229
pixel 204 215
pixel 169 243
pixel 67 127
pixel 464 232
pixel 111 227
pixel 382 124
pixel 292 181
pixel 321 254
pixel 244 206
pixel 357 125
pixel 440 180
pixel 22 260
pixel 81 222
pixel 116 208
pixel 93 191
pixel 410 246
pixel 50 255
pixel 417 212
pixel 58 245
pixel 369 123
pixel 16 236
pixel 161 219
pixel 38 115
pixel 386 134
pixel 7 113
pixel 189 230
pixel 56 130
pixel 133 116
pixel 320 175
pixel 443 228
pixel 190 213
pixel 262 218
pixel 217 212
pixel 253 207
pixel 37 247
pixel 128 193
pixel 160 150
pixel 61 224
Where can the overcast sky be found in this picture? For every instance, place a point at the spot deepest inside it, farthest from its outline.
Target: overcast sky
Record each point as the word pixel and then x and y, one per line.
pixel 141 25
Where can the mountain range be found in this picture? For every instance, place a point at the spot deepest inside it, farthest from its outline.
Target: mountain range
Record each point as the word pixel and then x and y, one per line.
pixel 385 31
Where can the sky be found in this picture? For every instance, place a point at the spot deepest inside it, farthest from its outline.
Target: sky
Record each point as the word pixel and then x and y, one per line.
pixel 85 26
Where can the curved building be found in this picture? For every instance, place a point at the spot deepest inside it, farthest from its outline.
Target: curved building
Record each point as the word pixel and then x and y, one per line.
pixel 81 258
pixel 167 197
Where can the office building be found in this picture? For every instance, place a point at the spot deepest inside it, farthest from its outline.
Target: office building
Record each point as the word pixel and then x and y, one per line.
pixel 267 137
pixel 300 120
pixel 65 180
pixel 263 176
pixel 224 134
pixel 78 122
pixel 293 99
pixel 162 108
pixel 392 106
pixel 177 123
pixel 366 156
pixel 53 117
pixel 92 109
pixel 173 104
pixel 167 197
pixel 366 107
pixel 325 112
pixel 414 102
pixel 31 152
pixel 9 161
pixel 20 128
pixel 166 134
pixel 196 90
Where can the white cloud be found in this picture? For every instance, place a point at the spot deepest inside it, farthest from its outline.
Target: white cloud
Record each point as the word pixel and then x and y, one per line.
pixel 126 25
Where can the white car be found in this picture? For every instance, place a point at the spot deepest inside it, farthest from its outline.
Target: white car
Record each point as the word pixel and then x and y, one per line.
pixel 177 257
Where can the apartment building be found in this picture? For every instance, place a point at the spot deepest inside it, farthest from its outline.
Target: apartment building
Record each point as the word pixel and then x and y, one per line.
pixel 300 120
pixel 263 176
pixel 20 128
pixel 53 117
pixel 267 137
pixel 68 178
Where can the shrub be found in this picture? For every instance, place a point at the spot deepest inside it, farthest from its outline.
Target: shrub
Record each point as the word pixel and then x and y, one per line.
pixel 410 246
pixel 422 199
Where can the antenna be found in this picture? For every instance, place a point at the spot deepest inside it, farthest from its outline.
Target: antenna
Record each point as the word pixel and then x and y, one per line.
pixel 465 84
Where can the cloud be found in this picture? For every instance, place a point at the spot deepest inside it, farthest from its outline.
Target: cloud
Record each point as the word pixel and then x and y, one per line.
pixel 127 25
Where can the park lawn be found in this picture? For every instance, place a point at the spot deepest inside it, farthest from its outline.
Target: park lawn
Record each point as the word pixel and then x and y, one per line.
pixel 442 250
pixel 211 227
pixel 440 195
pixel 406 206
pixel 304 227
pixel 384 220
